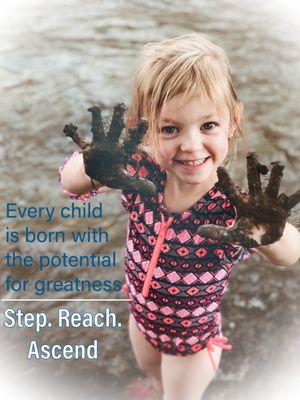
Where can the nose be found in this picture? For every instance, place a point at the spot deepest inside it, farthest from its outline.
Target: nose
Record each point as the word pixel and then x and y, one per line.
pixel 192 141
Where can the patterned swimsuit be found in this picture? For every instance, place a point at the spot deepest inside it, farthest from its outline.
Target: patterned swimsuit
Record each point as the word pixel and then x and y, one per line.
pixel 175 278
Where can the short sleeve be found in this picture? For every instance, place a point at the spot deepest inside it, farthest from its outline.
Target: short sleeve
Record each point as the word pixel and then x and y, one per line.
pixel 140 164
pixel 73 196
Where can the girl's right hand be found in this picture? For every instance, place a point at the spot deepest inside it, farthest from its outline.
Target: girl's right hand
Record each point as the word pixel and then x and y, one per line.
pixel 105 159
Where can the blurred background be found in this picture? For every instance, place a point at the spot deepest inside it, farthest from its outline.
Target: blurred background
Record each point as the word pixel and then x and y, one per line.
pixel 57 59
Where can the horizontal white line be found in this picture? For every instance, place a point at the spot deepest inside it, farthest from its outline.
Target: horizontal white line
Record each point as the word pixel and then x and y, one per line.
pixel 66 300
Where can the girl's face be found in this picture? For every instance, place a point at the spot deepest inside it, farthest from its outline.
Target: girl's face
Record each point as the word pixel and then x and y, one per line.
pixel 192 141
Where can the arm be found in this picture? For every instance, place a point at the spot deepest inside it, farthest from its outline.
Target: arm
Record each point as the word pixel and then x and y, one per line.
pixel 286 251
pixel 75 180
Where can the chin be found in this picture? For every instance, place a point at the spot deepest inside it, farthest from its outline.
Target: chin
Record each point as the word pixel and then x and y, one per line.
pixel 193 180
pixel 197 181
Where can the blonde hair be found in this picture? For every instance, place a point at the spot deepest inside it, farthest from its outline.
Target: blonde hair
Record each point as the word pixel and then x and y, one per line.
pixel 189 65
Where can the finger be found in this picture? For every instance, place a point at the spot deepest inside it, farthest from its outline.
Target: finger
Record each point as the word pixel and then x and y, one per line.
pixel 238 234
pixel 97 125
pixel 229 187
pixel 136 134
pixel 132 183
pixel 121 179
pixel 214 232
pixel 273 186
pixel 273 233
pixel 139 185
pixel 292 200
pixel 281 200
pixel 253 175
pixel 71 131
pixel 117 123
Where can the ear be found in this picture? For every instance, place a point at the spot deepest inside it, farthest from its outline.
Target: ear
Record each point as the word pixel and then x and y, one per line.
pixel 239 115
pixel 232 128
pixel 237 119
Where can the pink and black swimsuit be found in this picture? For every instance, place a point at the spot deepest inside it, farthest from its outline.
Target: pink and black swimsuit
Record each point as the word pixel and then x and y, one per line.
pixel 175 278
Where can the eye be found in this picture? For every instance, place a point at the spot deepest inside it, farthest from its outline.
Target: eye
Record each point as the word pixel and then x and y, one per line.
pixel 169 129
pixel 209 125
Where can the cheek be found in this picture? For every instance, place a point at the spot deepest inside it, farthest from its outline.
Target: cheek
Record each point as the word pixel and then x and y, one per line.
pixel 219 147
pixel 165 151
pixel 224 148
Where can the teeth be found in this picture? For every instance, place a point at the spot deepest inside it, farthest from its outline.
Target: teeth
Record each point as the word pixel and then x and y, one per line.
pixel 192 163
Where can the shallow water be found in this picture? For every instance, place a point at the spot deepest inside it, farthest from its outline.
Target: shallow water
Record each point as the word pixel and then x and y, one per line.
pixel 58 58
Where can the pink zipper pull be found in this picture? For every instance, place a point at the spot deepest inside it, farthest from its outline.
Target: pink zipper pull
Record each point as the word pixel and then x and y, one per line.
pixel 156 252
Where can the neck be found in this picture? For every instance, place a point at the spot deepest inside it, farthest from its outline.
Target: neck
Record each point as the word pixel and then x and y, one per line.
pixel 178 188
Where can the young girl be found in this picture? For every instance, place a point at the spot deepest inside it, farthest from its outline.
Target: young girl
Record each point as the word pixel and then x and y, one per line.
pixel 176 278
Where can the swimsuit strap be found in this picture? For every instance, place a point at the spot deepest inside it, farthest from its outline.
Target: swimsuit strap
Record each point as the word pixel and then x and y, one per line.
pixel 217 341
pixel 124 288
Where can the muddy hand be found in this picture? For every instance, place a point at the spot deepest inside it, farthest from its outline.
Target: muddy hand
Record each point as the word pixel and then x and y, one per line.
pixel 265 211
pixel 105 159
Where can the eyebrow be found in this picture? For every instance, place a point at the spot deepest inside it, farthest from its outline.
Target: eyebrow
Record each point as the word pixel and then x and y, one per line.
pixel 173 121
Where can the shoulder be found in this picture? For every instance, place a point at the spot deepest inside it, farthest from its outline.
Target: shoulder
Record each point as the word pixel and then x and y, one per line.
pixel 142 164
pixel 218 194
pixel 219 207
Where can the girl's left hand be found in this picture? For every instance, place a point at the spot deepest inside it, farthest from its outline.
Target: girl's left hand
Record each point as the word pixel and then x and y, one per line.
pixel 261 215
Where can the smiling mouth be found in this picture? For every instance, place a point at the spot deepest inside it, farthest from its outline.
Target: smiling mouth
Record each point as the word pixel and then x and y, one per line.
pixel 192 163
